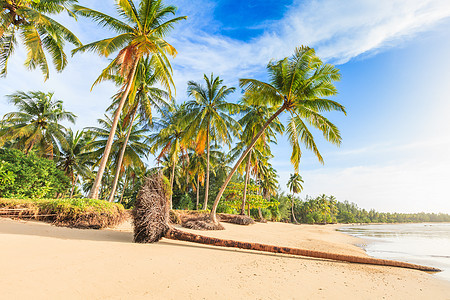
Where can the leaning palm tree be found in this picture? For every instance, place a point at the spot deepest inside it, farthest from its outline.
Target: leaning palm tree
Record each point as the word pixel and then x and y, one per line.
pixel 38 32
pixel 74 159
pixel 141 34
pixel 298 85
pixel 36 124
pixel 209 115
pixel 295 186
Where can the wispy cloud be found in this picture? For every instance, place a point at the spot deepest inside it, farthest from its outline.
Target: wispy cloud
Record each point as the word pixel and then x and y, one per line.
pixel 338 30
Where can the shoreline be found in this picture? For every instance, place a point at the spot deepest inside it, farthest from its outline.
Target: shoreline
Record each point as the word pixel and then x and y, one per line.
pixel 51 262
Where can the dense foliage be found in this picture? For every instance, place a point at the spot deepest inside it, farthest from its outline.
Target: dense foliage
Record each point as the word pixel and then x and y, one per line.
pixel 23 176
pixel 233 198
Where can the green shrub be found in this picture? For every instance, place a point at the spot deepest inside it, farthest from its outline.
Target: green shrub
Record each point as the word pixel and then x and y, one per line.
pixel 79 213
pixel 23 176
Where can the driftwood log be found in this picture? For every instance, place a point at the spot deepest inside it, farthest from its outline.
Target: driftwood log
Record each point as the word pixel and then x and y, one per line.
pixel 151 223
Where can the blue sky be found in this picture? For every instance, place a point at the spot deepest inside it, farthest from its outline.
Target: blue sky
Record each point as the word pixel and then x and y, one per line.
pixel 393 56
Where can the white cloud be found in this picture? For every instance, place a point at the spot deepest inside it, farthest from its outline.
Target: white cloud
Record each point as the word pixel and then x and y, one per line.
pixel 338 30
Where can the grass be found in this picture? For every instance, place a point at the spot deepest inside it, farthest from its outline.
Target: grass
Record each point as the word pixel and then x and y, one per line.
pixel 78 213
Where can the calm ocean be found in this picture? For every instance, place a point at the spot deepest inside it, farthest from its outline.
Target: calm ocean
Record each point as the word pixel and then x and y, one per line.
pixel 425 243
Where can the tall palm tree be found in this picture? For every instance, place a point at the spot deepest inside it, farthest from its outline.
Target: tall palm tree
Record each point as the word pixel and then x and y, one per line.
pixel 197 166
pixel 133 138
pixel 298 85
pixel 169 139
pixel 295 186
pixel 142 97
pixel 36 124
pixel 209 116
pixel 74 158
pixel 38 32
pixel 140 34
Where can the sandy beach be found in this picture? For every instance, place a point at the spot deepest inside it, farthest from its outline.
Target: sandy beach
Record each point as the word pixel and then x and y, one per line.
pixel 41 261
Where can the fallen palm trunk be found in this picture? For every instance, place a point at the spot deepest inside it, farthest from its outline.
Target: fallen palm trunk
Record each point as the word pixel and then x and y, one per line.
pixel 151 223
pixel 176 234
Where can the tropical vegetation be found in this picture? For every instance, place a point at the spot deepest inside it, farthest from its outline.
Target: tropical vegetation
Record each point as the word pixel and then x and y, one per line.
pixel 212 146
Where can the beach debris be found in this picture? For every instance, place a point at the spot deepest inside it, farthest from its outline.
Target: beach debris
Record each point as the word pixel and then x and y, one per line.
pixel 151 223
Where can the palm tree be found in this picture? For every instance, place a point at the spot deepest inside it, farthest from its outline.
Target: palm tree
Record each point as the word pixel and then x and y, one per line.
pixel 74 159
pixel 197 166
pixel 127 134
pixel 295 186
pixel 38 32
pixel 268 180
pixel 142 97
pixel 298 85
pixel 140 35
pixel 253 120
pixel 208 117
pixel 169 139
pixel 36 123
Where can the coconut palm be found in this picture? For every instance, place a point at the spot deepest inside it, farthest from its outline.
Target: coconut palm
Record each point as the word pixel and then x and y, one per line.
pixel 141 34
pixel 74 158
pixel 133 138
pixel 168 141
pixel 209 116
pixel 36 124
pixel 295 186
pixel 268 180
pixel 142 97
pixel 297 85
pixel 197 166
pixel 38 32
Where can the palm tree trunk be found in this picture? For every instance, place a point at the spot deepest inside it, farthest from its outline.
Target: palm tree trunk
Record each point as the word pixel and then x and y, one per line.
pixel 176 234
pixel 292 210
pixel 119 163
pixel 124 187
pixel 212 216
pixel 74 181
pixel 198 190
pixel 98 179
pixel 187 181
pixel 171 184
pixel 205 204
pixel 247 175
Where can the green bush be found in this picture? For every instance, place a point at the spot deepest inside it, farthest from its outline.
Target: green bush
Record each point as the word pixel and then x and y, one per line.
pixel 80 213
pixel 23 176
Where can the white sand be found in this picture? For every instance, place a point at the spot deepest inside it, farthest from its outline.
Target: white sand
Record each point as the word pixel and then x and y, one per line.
pixel 41 261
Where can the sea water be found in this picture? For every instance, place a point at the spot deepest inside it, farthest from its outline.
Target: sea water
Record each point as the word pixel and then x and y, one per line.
pixel 424 243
